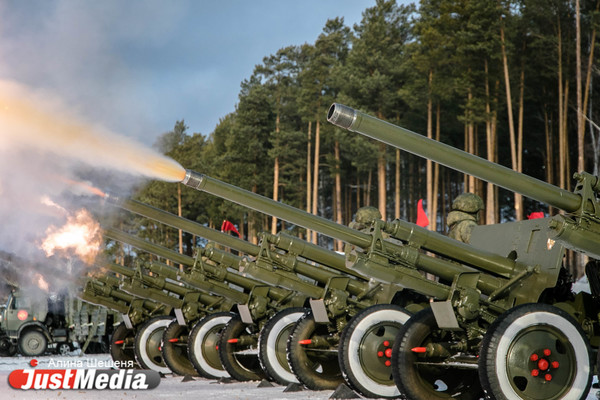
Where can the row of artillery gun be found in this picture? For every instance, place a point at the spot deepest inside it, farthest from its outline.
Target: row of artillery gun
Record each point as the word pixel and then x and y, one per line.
pixel 405 312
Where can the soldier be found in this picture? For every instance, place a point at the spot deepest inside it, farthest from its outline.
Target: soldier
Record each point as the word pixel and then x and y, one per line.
pixel 464 216
pixel 364 217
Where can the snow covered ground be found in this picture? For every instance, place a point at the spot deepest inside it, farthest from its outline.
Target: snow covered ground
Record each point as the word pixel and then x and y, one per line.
pixel 170 387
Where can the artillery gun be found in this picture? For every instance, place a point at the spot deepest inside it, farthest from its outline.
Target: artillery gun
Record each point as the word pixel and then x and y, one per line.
pixel 104 291
pixel 212 270
pixel 188 304
pixel 339 295
pixel 533 337
pixel 480 286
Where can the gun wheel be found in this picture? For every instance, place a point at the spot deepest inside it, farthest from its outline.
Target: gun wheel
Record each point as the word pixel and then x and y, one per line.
pixel 33 343
pixel 316 368
pixel 366 350
pixel 203 345
pixel 175 349
pixel 148 342
pixel 420 377
pixel 121 346
pixel 535 351
pixel 272 345
pixel 7 349
pixel 240 359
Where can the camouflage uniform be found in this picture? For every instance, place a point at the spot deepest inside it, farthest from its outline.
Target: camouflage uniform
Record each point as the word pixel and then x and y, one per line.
pixel 364 217
pixel 464 216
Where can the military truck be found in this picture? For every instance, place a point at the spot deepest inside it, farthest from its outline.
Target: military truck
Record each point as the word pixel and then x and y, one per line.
pixel 33 323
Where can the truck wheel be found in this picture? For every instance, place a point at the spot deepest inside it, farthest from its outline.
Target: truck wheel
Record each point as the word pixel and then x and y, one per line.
pixel 535 351
pixel 240 359
pixel 63 348
pixel 121 347
pixel 417 376
pixel 366 350
pixel 32 343
pixel 175 349
pixel 316 368
pixel 203 345
pixel 272 345
pixel 148 342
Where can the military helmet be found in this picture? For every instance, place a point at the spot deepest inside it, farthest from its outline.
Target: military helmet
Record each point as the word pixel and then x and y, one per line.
pixel 467 202
pixel 367 214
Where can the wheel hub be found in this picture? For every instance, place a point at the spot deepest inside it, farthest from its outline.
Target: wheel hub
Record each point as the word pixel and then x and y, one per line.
pixel 542 367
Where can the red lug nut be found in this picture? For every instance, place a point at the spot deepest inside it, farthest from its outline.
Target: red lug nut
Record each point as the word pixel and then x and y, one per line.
pixel 534 357
pixel 380 354
pixel 555 364
pixel 547 352
pixel 535 372
pixel 386 343
pixel 388 363
pixel 548 377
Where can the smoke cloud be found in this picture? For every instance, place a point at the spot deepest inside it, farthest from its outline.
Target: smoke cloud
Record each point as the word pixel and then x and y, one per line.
pixel 43 147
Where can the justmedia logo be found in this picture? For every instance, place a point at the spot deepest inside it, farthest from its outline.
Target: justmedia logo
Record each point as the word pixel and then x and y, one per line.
pixel 82 379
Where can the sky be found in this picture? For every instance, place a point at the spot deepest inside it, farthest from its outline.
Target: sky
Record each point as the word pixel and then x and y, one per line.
pixel 136 67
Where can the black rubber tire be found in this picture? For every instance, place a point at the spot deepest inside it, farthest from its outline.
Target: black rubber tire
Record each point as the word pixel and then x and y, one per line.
pixel 33 343
pixel 203 345
pixel 123 353
pixel 240 361
pixel 63 348
pixel 505 367
pixel 363 346
pixel 7 348
pixel 315 370
pixel 175 355
pixel 428 382
pixel 148 341
pixel 272 345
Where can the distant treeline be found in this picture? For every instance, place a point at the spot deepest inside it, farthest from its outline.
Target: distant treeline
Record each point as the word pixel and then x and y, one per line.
pixel 501 79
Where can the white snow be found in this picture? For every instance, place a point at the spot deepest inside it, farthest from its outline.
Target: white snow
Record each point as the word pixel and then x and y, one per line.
pixel 170 387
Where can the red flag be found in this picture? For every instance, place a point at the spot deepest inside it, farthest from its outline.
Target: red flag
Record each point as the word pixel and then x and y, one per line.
pixel 422 219
pixel 227 226
pixel 536 215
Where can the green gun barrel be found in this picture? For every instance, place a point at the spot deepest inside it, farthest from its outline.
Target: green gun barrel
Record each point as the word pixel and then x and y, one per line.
pixel 212 285
pixel 356 121
pixel 579 231
pixel 444 269
pixel 184 224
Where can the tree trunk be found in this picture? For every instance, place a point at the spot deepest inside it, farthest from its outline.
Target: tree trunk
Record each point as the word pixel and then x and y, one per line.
pixel 309 177
pixel 521 213
pixel 315 192
pixel 490 133
pixel 339 246
pixel 436 176
pixel 275 177
pixel 580 115
pixel 368 191
pixel 511 124
pixel 179 214
pixel 429 163
pixel 561 133
pixel 397 188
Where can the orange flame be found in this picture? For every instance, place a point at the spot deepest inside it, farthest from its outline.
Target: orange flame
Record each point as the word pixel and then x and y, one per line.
pixel 41 282
pixel 81 235
pixel 86 186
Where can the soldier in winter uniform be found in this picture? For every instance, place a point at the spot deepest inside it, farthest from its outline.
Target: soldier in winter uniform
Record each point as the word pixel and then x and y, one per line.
pixel 464 216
